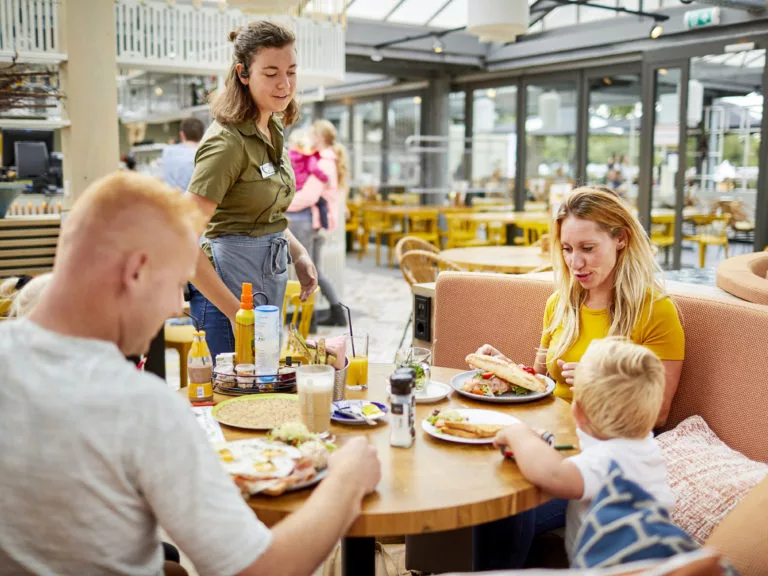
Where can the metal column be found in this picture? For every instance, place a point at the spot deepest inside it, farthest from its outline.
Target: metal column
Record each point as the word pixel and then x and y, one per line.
pixel 761 207
pixel 520 166
pixel 677 248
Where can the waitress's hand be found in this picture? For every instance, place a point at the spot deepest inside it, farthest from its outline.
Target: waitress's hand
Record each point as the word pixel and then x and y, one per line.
pixel 568 370
pixel 307 274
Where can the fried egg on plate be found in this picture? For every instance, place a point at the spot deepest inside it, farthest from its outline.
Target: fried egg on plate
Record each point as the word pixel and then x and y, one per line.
pixel 257 458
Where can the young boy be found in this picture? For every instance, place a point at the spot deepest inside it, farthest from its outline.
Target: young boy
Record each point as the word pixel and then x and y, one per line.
pixel 617 394
pixel 305 164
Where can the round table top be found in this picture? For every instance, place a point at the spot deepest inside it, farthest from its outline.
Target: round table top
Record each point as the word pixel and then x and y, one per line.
pixel 505 259
pixel 434 485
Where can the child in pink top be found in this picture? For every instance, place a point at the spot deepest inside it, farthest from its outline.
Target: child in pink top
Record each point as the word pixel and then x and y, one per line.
pixel 305 164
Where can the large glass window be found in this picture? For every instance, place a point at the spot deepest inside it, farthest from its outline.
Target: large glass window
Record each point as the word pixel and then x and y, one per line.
pixel 367 135
pixel 494 140
pixel 550 141
pixel 403 121
pixel 457 160
pixel 613 145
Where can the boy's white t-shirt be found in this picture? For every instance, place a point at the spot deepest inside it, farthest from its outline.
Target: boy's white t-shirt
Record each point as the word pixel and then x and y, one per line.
pixel 641 461
pixel 96 455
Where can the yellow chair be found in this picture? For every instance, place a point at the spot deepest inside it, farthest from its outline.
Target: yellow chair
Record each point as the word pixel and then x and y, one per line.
pixel 713 234
pixel 353 223
pixel 180 339
pixel 461 232
pixel 306 309
pixel 424 226
pixel 532 231
pixel 497 233
pixel 378 224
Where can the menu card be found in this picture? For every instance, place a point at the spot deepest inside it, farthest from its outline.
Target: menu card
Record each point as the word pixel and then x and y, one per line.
pixel 208 423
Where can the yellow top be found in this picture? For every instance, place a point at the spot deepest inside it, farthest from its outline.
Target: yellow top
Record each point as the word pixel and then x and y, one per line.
pixel 660 332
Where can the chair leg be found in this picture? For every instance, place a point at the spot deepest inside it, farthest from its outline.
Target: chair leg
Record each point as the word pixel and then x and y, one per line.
pixel 702 254
pixel 378 249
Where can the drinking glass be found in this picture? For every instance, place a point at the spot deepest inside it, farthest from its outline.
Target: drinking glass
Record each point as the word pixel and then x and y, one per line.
pixel 314 384
pixel 357 372
pixel 420 359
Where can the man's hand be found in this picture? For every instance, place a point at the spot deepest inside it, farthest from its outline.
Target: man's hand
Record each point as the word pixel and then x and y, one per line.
pixel 357 464
pixel 307 274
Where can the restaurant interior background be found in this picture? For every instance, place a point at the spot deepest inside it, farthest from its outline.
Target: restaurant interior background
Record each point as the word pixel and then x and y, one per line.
pixel 659 100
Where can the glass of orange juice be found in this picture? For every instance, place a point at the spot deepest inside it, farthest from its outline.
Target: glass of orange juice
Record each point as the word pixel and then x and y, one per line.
pixel 357 371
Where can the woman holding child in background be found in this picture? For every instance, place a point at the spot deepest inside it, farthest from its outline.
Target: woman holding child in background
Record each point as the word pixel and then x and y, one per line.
pixel 318 202
pixel 608 283
pixel 243 183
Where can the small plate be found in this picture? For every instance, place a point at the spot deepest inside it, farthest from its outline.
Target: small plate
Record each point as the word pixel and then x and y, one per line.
pixel 473 417
pixel 340 418
pixel 508 398
pixel 434 392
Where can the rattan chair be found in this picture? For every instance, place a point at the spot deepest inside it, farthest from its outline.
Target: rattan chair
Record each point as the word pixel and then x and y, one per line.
pixel 420 266
pixel 409 243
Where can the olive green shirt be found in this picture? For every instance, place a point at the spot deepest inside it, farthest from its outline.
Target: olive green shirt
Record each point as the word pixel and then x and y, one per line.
pixel 232 166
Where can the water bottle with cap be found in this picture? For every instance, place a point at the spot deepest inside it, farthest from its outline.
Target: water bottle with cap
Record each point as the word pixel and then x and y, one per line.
pixel 267 341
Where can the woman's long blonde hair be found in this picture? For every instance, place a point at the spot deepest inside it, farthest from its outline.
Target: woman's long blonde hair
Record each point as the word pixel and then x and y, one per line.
pixel 327 132
pixel 234 103
pixel 636 269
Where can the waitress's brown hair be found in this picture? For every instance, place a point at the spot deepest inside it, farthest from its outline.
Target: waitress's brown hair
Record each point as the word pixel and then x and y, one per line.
pixel 234 103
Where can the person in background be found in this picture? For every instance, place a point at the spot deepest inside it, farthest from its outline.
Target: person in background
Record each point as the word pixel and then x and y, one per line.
pixel 618 390
pixel 305 215
pixel 243 183
pixel 305 164
pixel 134 457
pixel 178 161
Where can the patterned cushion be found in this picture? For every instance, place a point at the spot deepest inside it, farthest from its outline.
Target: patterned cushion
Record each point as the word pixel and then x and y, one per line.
pixel 708 478
pixel 625 524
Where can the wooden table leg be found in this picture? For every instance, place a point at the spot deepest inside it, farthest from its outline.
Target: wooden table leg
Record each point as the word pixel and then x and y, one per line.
pixel 358 557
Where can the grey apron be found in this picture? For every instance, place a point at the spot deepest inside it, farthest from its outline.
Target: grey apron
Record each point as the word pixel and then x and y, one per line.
pixel 262 261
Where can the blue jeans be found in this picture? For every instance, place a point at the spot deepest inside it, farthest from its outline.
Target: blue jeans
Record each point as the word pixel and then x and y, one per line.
pixel 262 261
pixel 505 543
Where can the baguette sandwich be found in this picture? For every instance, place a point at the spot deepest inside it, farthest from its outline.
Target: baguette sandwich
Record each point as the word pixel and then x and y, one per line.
pixel 467 430
pixel 500 376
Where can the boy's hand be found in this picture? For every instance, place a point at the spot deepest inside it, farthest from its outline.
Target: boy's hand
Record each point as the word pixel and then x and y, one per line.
pixel 489 350
pixel 506 437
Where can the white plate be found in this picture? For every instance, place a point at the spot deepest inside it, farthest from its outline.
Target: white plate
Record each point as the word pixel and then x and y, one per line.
pixel 356 421
pixel 508 398
pixel 434 392
pixel 473 417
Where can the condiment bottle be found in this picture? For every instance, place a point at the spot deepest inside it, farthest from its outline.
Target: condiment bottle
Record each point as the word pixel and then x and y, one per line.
pixel 412 375
pixel 401 419
pixel 200 370
pixel 244 320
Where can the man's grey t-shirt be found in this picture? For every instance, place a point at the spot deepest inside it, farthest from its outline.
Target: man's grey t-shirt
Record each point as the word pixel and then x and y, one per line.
pixel 94 455
pixel 178 163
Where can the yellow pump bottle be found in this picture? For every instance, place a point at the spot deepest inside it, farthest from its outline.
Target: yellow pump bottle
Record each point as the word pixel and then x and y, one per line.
pixel 244 327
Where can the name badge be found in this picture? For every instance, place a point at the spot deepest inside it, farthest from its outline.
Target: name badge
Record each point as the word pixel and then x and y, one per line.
pixel 267 170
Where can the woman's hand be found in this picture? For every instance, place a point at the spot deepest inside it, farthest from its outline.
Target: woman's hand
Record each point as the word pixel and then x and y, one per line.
pixel 568 370
pixel 307 274
pixel 489 350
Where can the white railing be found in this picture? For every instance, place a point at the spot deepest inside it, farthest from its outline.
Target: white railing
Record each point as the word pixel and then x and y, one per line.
pixel 29 29
pixel 179 38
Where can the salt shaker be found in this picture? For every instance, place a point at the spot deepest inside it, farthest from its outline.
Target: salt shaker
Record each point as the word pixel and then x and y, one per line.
pixel 401 419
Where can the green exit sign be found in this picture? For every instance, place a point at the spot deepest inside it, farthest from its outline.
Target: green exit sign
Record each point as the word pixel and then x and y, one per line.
pixel 703 17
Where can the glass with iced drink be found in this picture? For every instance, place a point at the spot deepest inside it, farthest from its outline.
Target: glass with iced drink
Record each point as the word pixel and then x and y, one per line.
pixel 315 387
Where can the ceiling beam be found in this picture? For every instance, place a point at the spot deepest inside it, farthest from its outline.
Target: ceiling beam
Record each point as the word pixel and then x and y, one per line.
pixel 394 9
pixel 439 11
pixel 410 69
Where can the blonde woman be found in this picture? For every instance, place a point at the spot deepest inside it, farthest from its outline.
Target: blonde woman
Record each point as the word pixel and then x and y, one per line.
pixel 607 284
pixel 305 214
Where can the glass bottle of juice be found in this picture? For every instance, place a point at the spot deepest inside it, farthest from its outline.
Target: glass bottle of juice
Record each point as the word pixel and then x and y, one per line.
pixel 200 370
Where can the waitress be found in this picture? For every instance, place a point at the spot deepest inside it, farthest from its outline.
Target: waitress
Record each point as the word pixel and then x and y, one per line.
pixel 243 183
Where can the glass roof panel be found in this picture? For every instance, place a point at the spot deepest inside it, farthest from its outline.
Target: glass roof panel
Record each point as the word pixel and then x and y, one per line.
pixel 370 9
pixel 416 11
pixel 453 16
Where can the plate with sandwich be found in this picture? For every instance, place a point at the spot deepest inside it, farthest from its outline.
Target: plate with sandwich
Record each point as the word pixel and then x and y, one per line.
pixel 497 380
pixel 465 425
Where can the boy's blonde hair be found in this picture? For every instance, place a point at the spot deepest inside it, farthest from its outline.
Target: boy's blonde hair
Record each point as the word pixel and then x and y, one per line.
pixel 620 387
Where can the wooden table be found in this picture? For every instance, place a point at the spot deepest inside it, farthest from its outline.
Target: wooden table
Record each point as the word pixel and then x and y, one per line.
pixel 433 486
pixel 504 259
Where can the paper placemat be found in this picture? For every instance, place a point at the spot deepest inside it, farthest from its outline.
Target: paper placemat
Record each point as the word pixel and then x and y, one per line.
pixel 208 423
